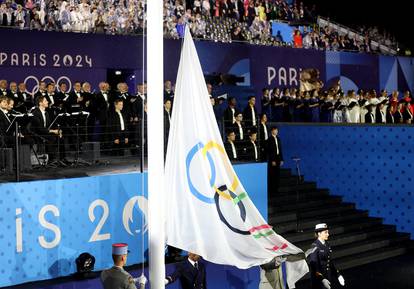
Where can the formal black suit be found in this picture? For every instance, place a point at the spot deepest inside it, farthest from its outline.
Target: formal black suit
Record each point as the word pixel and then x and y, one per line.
pixel 228 117
pixel 389 117
pixel 250 152
pixel 115 132
pixel 189 276
pixel 38 94
pixel 40 131
pixel 6 137
pixel 369 118
pixel 27 101
pixel 407 116
pixel 235 127
pixel 248 116
pixel 398 117
pixel 274 158
pixel 72 103
pixel 379 116
pixel 262 140
pixel 229 151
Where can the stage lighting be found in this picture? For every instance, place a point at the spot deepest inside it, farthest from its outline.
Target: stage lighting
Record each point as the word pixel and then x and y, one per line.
pixel 85 263
pixel 118 72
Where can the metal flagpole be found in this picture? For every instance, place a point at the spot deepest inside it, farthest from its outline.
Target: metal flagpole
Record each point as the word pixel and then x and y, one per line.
pixel 155 144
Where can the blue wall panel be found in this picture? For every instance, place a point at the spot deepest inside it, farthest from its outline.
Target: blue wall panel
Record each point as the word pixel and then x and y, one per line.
pixel 45 225
pixel 369 165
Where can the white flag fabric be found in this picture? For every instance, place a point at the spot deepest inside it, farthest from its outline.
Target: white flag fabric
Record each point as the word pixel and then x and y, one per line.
pixel 208 210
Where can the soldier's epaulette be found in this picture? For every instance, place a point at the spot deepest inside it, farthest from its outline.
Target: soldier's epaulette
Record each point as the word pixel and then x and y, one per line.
pixel 131 280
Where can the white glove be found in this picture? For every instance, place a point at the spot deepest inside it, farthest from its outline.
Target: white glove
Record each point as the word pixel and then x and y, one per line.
pixel 326 283
pixel 166 281
pixel 141 279
pixel 341 280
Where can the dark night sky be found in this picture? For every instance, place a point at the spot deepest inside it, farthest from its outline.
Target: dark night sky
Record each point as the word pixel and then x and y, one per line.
pixel 393 16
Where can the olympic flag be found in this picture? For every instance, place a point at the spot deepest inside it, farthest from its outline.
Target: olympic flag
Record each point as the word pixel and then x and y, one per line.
pixel 208 210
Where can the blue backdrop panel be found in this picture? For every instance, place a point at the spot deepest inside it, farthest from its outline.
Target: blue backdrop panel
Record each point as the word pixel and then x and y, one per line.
pixel 45 225
pixel 369 165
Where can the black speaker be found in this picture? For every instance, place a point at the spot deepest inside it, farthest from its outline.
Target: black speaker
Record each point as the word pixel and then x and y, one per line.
pixel 6 160
pixel 91 151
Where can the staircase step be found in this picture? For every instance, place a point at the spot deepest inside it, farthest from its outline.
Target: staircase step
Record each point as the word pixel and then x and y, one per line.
pixel 309 235
pixel 288 181
pixel 309 223
pixel 353 237
pixel 304 204
pixel 368 245
pixel 285 173
pixel 308 213
pixel 289 198
pixel 370 257
pixel 300 187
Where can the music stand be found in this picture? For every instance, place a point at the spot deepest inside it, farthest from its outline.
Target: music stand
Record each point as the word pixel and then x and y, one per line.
pixel 78 160
pixel 58 161
pixel 15 123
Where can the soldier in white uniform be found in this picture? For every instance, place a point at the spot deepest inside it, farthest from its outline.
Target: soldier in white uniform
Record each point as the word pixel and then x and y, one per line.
pixel 116 277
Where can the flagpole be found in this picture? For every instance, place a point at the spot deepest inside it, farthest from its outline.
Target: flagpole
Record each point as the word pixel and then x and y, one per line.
pixel 155 127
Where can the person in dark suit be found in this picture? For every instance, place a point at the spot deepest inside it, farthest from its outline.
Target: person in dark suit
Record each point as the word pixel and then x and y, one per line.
pixel 250 113
pixel 40 92
pixel 229 114
pixel 239 129
pixel 389 116
pixel 407 115
pixel 39 126
pixel 380 116
pixel 168 91
pixel 398 116
pixel 26 96
pixel 191 273
pixel 100 107
pixel 5 121
pixel 230 146
pixel 3 87
pixel 252 150
pixel 263 136
pixel 370 116
pixel 167 122
pixel 76 100
pixel 14 94
pixel 323 272
pixel 118 128
pixel 274 160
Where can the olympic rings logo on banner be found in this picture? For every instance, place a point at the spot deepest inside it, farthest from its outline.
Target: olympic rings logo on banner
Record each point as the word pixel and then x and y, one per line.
pixel 46 78
pixel 219 191
pixel 231 193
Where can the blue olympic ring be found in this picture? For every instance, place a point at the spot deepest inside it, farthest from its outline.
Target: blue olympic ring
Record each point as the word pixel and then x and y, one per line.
pixel 193 189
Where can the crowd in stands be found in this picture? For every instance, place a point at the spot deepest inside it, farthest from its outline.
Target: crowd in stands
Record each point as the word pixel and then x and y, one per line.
pixel 110 17
pixel 217 20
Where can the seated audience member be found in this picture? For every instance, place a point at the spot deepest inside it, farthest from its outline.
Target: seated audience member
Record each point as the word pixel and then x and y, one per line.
pixel 117 126
pixel 41 130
